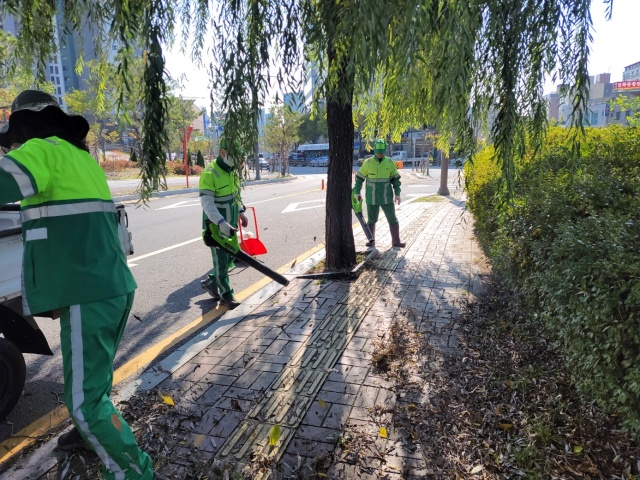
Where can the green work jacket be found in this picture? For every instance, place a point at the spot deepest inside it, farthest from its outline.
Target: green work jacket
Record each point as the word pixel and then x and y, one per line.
pixel 382 180
pixel 72 252
pixel 222 183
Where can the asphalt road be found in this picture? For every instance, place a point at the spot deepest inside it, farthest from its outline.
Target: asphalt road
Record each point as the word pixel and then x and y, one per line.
pixel 170 260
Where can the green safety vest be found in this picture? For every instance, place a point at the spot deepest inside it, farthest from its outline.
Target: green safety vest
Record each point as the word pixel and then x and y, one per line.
pixel 223 184
pixel 72 252
pixel 382 180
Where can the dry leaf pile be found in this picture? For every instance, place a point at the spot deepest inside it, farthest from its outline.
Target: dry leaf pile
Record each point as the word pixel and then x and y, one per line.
pixel 499 407
pixel 503 407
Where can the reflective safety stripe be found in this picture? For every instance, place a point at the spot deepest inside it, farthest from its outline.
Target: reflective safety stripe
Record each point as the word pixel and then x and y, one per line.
pixel 77 390
pixel 227 210
pixel 378 180
pixel 64 210
pixel 226 198
pixel 359 175
pixel 36 234
pixel 22 179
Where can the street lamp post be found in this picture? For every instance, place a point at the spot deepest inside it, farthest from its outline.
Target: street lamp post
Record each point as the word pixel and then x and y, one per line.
pixel 186 135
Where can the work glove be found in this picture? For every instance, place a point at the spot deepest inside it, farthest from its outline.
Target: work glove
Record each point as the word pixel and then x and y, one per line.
pixel 244 221
pixel 225 228
pixel 398 200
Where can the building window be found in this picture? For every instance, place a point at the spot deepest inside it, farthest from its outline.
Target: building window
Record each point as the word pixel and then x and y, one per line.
pixel 57 69
pixel 59 90
pixel 50 68
pixel 65 68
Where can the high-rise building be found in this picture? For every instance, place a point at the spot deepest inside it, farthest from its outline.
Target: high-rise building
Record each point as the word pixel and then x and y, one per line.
pixel 601 94
pixel 631 72
pixel 295 101
pixel 60 69
pixel 312 83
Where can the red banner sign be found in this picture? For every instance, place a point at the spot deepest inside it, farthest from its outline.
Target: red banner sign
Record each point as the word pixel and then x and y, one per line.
pixel 629 84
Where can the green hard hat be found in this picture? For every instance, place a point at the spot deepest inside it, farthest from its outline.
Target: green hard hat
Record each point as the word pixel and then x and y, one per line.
pixel 380 146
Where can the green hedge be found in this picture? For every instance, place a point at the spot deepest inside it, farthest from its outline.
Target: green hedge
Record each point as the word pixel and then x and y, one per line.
pixel 569 242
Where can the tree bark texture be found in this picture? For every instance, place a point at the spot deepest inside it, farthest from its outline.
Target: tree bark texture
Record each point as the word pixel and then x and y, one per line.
pixel 444 175
pixel 341 253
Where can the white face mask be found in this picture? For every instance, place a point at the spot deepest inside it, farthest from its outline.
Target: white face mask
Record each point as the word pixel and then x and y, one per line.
pixel 225 158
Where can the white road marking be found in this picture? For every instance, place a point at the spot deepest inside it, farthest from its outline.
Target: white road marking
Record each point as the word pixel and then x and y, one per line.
pixel 193 203
pixel 147 255
pixel 294 207
pixel 185 203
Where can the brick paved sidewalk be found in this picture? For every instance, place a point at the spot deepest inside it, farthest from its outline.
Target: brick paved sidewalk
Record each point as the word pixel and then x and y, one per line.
pixel 282 385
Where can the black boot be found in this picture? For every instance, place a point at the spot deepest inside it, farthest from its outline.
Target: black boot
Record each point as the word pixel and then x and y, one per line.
pixel 229 302
pixel 395 236
pixel 372 229
pixel 210 286
pixel 72 440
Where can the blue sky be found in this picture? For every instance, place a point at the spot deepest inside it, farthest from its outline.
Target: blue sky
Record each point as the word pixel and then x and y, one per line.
pixel 615 45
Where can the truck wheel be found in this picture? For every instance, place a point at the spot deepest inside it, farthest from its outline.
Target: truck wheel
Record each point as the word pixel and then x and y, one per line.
pixel 13 373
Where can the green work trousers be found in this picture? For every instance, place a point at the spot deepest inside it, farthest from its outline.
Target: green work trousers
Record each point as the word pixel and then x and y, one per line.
pixel 222 261
pixel 389 209
pixel 89 335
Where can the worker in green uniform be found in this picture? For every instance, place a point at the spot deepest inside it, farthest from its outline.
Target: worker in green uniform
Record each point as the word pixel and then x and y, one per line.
pixel 74 267
pixel 222 205
pixel 382 182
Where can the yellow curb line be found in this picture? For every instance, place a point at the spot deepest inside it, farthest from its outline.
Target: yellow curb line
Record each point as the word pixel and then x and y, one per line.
pixel 29 434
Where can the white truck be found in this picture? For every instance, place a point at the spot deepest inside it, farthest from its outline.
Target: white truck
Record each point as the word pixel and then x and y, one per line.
pixel 20 333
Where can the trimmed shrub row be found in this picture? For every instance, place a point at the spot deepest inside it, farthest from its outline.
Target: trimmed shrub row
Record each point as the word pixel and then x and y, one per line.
pixel 569 243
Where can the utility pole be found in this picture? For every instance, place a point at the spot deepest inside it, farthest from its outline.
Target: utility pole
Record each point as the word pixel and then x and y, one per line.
pixel 186 135
pixel 256 144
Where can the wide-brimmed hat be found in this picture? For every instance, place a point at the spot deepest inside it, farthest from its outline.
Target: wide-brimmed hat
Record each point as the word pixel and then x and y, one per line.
pixel 29 102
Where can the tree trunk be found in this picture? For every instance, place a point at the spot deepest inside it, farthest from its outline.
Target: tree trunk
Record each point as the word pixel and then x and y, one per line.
pixel 444 175
pixel 341 251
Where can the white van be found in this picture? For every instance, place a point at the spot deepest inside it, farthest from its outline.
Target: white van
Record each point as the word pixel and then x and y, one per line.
pixel 400 156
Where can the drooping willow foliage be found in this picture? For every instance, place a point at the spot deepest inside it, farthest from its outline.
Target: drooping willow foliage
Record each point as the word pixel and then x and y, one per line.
pixel 449 63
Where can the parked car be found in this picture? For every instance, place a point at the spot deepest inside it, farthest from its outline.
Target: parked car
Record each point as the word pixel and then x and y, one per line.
pixel 319 161
pixel 263 164
pixel 298 159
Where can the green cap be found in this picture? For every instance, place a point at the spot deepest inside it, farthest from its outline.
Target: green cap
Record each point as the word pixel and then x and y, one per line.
pixel 233 148
pixel 380 146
